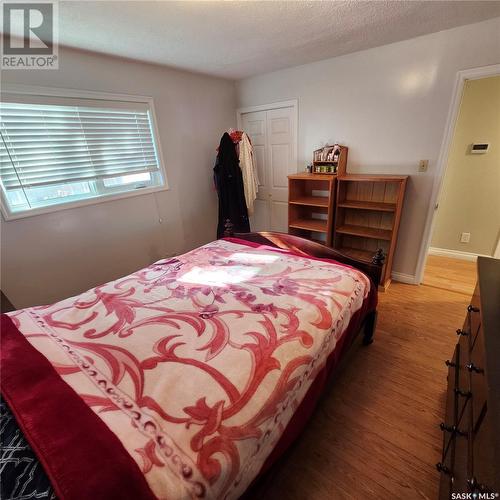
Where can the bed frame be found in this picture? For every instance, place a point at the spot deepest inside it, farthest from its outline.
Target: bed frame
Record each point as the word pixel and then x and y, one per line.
pixel 372 269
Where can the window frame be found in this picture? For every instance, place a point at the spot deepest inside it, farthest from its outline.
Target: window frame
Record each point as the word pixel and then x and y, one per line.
pixel 37 91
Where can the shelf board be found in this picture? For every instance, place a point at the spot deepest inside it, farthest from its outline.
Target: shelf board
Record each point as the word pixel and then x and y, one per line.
pixel 317 225
pixel 309 176
pixel 368 205
pixel 356 253
pixel 367 232
pixel 311 201
pixel 373 177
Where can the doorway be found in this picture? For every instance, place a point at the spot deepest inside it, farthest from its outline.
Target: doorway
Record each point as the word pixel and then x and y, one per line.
pixel 467 219
pixel 272 129
pixel 464 221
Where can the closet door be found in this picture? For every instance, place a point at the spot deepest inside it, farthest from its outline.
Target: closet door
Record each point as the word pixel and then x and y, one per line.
pixel 281 162
pixel 255 125
pixel 273 137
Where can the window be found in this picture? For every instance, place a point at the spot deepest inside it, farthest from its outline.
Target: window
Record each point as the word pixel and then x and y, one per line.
pixel 56 152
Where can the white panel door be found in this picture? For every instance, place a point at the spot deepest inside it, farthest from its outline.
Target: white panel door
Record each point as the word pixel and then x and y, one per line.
pixel 254 124
pixel 259 220
pixel 281 162
pixel 273 137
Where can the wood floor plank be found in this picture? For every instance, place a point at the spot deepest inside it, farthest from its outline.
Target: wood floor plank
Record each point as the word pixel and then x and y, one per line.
pixel 375 433
pixel 450 274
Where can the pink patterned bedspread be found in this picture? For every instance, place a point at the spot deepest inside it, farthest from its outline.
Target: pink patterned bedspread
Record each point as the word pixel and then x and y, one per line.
pixel 196 363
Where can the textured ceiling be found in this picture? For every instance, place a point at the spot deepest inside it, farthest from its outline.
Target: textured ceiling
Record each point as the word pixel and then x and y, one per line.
pixel 236 39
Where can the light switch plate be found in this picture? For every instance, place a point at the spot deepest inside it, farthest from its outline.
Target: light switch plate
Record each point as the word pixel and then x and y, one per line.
pixel 423 165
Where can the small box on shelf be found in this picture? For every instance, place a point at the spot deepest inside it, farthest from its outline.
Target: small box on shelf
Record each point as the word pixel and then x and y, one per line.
pixel 330 160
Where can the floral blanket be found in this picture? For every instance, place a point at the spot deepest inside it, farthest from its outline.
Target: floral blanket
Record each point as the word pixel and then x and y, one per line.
pixel 196 363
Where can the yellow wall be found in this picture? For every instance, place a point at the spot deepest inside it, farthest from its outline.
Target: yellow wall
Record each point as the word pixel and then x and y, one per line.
pixel 470 200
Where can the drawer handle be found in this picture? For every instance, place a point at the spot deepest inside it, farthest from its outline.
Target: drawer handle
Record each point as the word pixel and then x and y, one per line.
pixel 442 468
pixel 449 363
pixel 473 309
pixel 452 428
pixel 473 368
pixel 447 428
pixel 465 394
pixel 462 332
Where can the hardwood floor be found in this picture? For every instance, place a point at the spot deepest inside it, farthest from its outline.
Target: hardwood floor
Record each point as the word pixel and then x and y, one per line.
pixel 375 433
pixel 450 274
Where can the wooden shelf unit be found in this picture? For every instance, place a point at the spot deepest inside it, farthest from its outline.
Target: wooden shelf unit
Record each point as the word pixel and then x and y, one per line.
pixel 367 216
pixel 311 199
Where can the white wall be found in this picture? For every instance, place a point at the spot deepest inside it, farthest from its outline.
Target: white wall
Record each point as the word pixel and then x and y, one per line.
pixel 388 104
pixel 52 256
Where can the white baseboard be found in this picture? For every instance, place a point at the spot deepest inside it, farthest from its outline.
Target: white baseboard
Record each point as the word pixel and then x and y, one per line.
pixel 455 254
pixel 404 278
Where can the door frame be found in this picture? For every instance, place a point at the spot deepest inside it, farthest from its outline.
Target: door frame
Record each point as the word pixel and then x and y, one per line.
pixel 292 103
pixel 442 163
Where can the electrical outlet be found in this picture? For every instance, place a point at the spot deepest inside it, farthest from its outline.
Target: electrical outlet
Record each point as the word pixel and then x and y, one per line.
pixel 465 238
pixel 423 165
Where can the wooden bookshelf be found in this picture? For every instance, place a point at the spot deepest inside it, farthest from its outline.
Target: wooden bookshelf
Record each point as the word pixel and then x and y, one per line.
pixel 367 216
pixel 311 200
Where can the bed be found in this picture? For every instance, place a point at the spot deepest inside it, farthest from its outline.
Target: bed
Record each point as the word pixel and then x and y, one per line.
pixel 186 379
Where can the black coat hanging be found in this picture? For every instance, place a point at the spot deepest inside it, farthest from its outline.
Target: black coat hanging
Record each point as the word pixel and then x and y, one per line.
pixel 229 184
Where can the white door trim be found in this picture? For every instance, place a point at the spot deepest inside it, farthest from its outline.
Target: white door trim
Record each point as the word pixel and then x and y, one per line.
pixel 292 103
pixel 456 99
pixel 496 253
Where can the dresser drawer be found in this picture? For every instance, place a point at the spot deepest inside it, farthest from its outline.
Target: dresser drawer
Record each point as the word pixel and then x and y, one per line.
pixel 461 465
pixel 463 389
pixel 445 469
pixel 464 336
pixel 474 316
pixel 482 476
pixel 464 343
pixel 450 416
pixel 475 328
pixel 477 379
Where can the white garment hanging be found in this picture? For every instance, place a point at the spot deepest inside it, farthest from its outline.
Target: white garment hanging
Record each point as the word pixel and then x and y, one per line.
pixel 249 171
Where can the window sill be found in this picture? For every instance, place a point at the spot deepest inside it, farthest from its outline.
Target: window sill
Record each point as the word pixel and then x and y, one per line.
pixel 8 216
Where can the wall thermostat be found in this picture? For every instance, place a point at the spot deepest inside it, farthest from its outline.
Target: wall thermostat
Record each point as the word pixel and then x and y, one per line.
pixel 479 148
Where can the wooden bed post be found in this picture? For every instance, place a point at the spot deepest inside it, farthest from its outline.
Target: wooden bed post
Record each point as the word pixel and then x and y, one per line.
pixel 369 328
pixel 371 318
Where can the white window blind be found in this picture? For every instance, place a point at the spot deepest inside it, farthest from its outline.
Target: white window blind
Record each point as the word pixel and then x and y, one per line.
pixel 47 145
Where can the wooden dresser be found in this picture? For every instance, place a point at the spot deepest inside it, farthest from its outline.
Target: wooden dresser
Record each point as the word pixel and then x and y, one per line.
pixel 471 430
